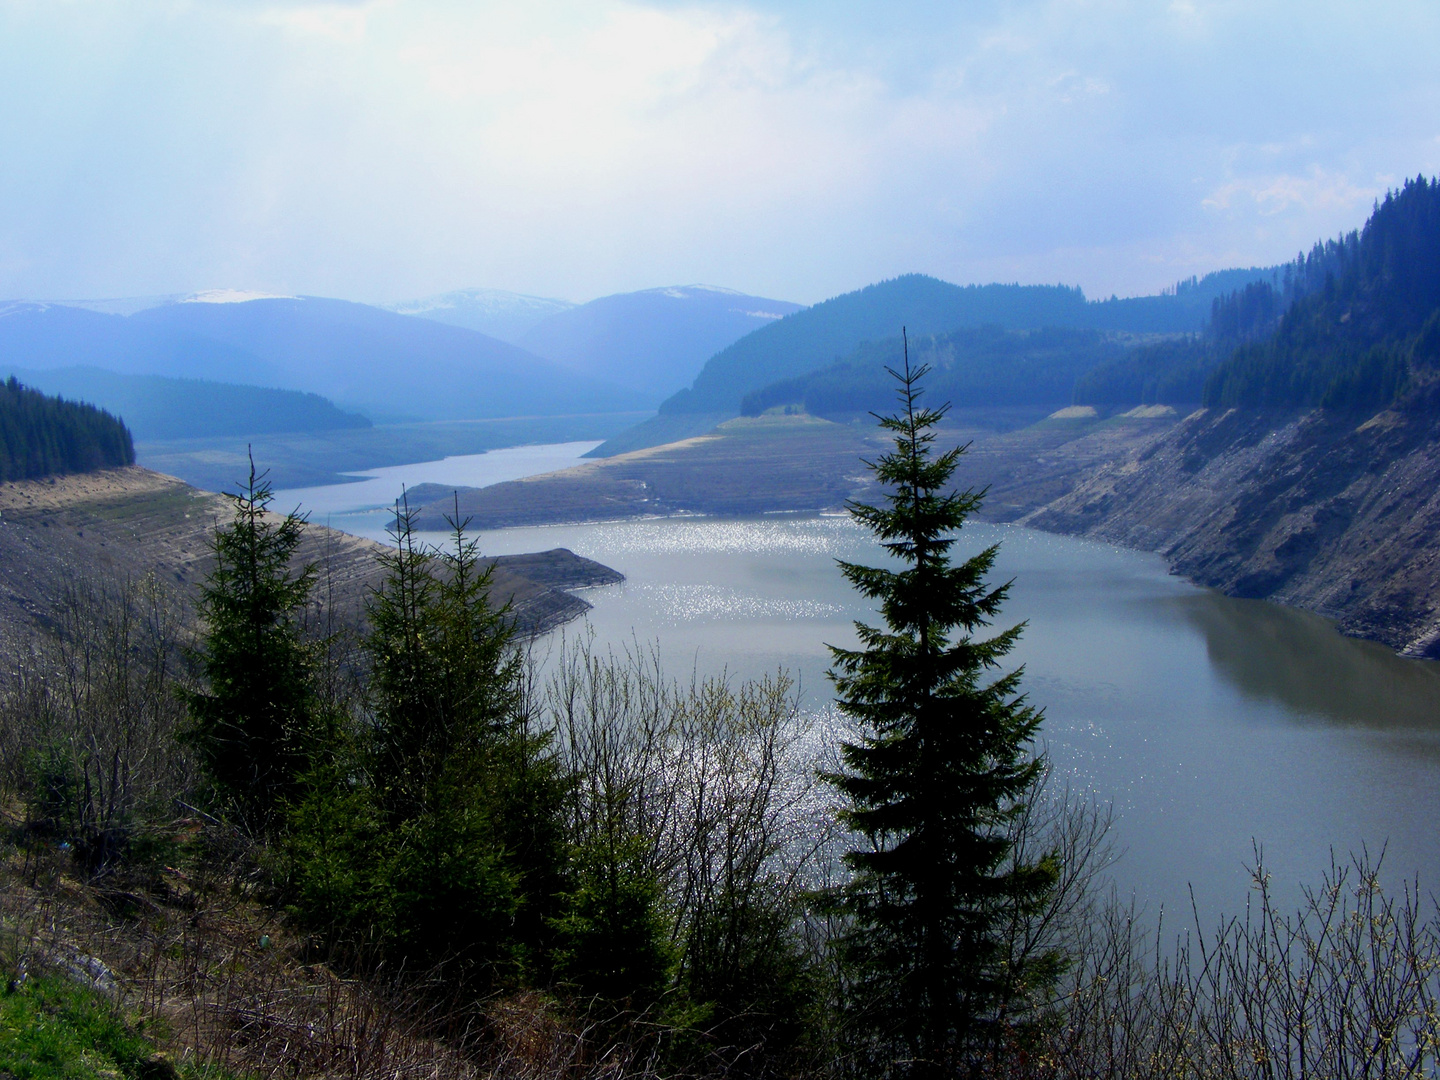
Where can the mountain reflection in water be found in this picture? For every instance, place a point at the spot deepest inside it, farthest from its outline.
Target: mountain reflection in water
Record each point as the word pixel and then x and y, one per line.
pixel 1294 658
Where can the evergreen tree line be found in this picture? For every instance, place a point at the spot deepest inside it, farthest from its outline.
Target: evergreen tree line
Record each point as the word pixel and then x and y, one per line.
pixel 1357 340
pixel 1346 327
pixel 42 436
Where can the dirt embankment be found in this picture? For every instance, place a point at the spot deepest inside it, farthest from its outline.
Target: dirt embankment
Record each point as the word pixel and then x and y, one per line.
pixel 126 523
pixel 1339 515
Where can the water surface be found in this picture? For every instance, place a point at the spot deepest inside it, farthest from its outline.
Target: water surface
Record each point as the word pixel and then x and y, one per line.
pixel 1209 723
pixel 352 506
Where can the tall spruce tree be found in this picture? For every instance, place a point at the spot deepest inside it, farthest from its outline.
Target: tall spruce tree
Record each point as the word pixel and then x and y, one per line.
pixel 252 723
pixel 942 768
pixel 467 797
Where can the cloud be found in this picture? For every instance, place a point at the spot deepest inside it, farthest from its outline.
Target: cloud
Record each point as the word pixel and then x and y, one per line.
pixel 380 149
pixel 1271 195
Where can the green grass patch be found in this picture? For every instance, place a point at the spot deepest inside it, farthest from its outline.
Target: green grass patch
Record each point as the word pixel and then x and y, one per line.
pixel 54 1029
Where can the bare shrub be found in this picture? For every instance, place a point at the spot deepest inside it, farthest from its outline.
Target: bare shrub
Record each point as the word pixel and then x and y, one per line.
pixel 711 775
pixel 716 786
pixel 88 716
pixel 1345 987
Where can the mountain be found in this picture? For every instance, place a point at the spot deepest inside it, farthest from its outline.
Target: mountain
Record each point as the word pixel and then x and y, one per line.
pixel 654 341
pixel 385 365
pixel 42 436
pixel 832 330
pixel 123 305
pixel 160 407
pixel 37 335
pixel 1351 326
pixel 981 367
pixel 503 315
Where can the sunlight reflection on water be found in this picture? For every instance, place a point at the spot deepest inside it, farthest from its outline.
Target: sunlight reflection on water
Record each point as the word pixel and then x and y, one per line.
pixel 1208 723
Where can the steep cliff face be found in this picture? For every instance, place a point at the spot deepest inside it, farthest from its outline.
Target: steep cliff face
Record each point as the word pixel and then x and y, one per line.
pixel 1337 514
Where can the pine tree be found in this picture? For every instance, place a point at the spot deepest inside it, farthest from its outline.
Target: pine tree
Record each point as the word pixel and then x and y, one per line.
pixel 467 797
pixel 252 725
pixel 943 766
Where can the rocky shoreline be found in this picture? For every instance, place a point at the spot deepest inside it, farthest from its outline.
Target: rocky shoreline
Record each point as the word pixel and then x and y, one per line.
pixel 558 572
pixel 1337 515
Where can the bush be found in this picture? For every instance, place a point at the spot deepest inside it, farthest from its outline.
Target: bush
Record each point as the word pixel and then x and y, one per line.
pixel 89 719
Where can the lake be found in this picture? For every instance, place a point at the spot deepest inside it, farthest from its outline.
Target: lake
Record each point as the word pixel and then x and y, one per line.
pixel 353 506
pixel 1208 723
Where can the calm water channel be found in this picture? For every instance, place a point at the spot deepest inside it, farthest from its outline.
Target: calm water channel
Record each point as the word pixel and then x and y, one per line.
pixel 1209 724
pixel 348 506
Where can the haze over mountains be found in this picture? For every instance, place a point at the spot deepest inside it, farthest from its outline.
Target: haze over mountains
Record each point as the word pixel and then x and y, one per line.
pixel 616 354
pixel 383 365
pixel 500 314
pixel 699 353
pixel 653 341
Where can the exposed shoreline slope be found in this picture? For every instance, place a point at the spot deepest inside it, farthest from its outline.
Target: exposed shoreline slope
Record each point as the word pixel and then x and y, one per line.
pixel 122 524
pixel 1338 515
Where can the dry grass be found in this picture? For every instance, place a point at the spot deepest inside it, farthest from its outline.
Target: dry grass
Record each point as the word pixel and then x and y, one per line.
pixel 221 981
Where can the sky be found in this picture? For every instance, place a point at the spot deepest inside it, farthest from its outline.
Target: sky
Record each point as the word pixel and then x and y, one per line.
pixel 389 149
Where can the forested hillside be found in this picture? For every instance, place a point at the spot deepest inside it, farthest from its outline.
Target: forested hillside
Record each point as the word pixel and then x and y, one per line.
pixel 1169 372
pixel 829 331
pixel 40 435
pixel 1184 308
pixel 1350 325
pixel 1367 333
pixel 1175 371
pixel 987 366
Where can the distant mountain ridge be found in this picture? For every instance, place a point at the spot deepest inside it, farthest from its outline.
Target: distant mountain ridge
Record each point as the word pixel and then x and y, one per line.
pixel 384 365
pixel 830 331
pixel 653 341
pixel 500 314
